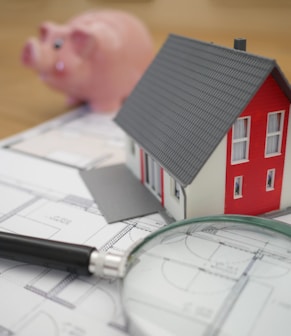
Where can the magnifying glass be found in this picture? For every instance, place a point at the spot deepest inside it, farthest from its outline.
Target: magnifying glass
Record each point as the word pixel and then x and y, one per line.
pixel 218 275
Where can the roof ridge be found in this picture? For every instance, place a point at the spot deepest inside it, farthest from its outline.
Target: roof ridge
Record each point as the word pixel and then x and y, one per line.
pixel 221 47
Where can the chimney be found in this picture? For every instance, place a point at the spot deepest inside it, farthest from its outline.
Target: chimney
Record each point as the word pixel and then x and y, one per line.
pixel 240 44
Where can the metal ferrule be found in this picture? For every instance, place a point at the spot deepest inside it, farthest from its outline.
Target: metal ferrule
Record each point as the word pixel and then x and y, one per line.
pixel 107 264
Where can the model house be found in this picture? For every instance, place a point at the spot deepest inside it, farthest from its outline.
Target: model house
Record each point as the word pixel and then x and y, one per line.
pixel 208 130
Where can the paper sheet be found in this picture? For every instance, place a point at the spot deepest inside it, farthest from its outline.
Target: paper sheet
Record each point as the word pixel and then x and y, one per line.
pixel 43 195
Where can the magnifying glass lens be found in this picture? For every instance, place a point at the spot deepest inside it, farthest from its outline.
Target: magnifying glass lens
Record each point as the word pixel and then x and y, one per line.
pixel 215 277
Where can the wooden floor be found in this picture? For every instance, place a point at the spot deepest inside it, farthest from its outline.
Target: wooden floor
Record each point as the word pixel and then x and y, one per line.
pixel 25 101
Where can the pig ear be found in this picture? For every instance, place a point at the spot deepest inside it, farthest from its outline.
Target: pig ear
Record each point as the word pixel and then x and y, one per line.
pixel 46 29
pixel 83 42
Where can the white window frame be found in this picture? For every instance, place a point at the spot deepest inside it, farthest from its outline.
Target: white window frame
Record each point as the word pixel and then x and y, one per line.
pixel 239 180
pixel 273 175
pixel 245 140
pixel 275 134
pixel 132 146
pixel 152 171
pixel 175 189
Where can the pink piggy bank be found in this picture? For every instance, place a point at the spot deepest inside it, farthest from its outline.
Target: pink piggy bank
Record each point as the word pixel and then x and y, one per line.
pixel 97 57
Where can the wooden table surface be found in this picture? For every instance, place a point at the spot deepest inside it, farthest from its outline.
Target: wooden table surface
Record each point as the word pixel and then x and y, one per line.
pixel 25 101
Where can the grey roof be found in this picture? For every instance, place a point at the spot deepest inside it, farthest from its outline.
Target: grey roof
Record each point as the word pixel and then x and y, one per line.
pixel 189 98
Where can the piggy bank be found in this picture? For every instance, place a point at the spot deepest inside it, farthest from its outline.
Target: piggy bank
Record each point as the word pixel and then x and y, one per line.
pixel 97 57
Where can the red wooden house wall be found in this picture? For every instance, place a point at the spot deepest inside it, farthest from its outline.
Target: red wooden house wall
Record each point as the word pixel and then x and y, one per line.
pixel 255 199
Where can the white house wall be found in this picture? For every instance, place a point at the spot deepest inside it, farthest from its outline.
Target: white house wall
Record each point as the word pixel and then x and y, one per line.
pixel 133 159
pixel 206 194
pixel 171 203
pixel 286 187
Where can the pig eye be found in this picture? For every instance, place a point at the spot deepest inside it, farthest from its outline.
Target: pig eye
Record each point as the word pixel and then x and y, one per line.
pixel 58 43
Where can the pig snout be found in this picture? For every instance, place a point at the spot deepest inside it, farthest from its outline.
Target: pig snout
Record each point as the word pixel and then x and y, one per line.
pixel 30 53
pixel 35 56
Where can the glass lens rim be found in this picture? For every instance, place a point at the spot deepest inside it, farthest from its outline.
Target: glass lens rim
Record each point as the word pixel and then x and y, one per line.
pixel 272 225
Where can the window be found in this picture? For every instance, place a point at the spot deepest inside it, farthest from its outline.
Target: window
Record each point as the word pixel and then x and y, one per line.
pixel 270 181
pixel 240 140
pixel 153 175
pixel 132 147
pixel 274 133
pixel 176 189
pixel 237 188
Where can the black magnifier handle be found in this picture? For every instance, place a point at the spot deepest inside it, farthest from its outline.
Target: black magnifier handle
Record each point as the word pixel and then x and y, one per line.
pixel 73 258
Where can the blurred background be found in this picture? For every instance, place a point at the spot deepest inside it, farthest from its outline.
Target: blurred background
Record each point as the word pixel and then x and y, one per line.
pixel 25 101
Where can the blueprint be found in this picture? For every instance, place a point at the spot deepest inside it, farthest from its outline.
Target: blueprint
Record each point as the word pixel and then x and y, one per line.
pixel 79 139
pixel 42 195
pixel 218 279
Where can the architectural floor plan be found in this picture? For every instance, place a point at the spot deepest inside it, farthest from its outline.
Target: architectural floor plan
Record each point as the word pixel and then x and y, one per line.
pixel 43 195
pixel 217 279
